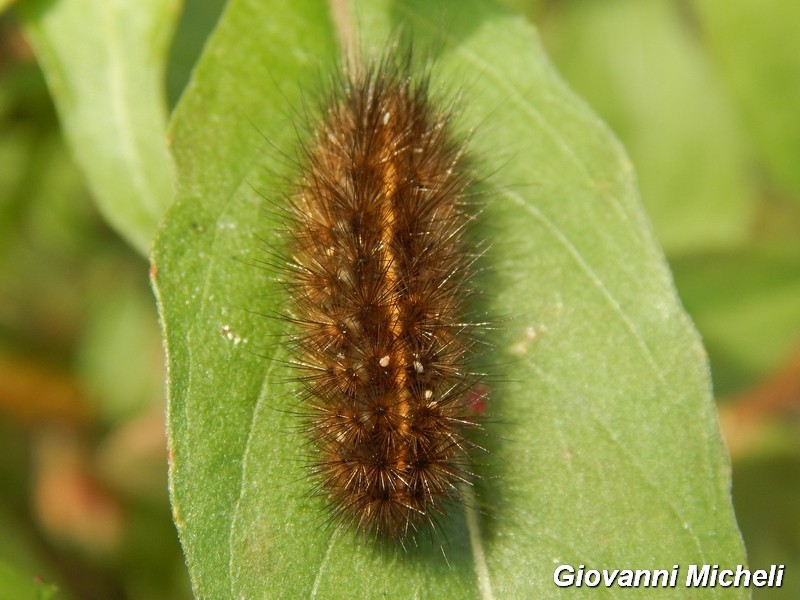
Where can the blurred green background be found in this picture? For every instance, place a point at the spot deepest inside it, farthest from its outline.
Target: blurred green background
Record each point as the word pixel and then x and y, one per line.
pixel 704 94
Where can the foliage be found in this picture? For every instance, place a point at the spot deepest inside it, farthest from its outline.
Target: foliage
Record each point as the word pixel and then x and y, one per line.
pixel 604 447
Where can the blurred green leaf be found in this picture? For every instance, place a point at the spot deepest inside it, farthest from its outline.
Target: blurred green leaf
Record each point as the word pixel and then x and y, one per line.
pixel 527 8
pixel 608 452
pixel 768 499
pixel 755 43
pixel 747 306
pixel 195 25
pixel 119 355
pixel 22 569
pixel 638 65
pixel 14 584
pixel 104 63
pixel 48 230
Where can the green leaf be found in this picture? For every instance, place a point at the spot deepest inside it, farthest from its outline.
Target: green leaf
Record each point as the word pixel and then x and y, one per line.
pixel 638 65
pixel 755 45
pixel 198 20
pixel 104 63
pixel 14 584
pixel 604 444
pixel 23 569
pixel 771 521
pixel 747 306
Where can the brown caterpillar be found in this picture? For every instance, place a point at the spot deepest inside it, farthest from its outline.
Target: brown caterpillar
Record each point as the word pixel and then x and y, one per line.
pixel 378 282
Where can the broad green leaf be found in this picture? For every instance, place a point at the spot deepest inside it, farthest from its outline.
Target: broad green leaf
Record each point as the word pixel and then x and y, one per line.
pixel 747 306
pixel 755 44
pixel 640 67
pixel 104 63
pixel 604 446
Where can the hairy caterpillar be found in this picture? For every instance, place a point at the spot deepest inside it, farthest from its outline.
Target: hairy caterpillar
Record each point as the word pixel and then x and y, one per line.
pixel 378 280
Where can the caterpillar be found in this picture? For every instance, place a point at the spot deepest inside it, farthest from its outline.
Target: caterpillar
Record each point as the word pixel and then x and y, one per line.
pixel 378 280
